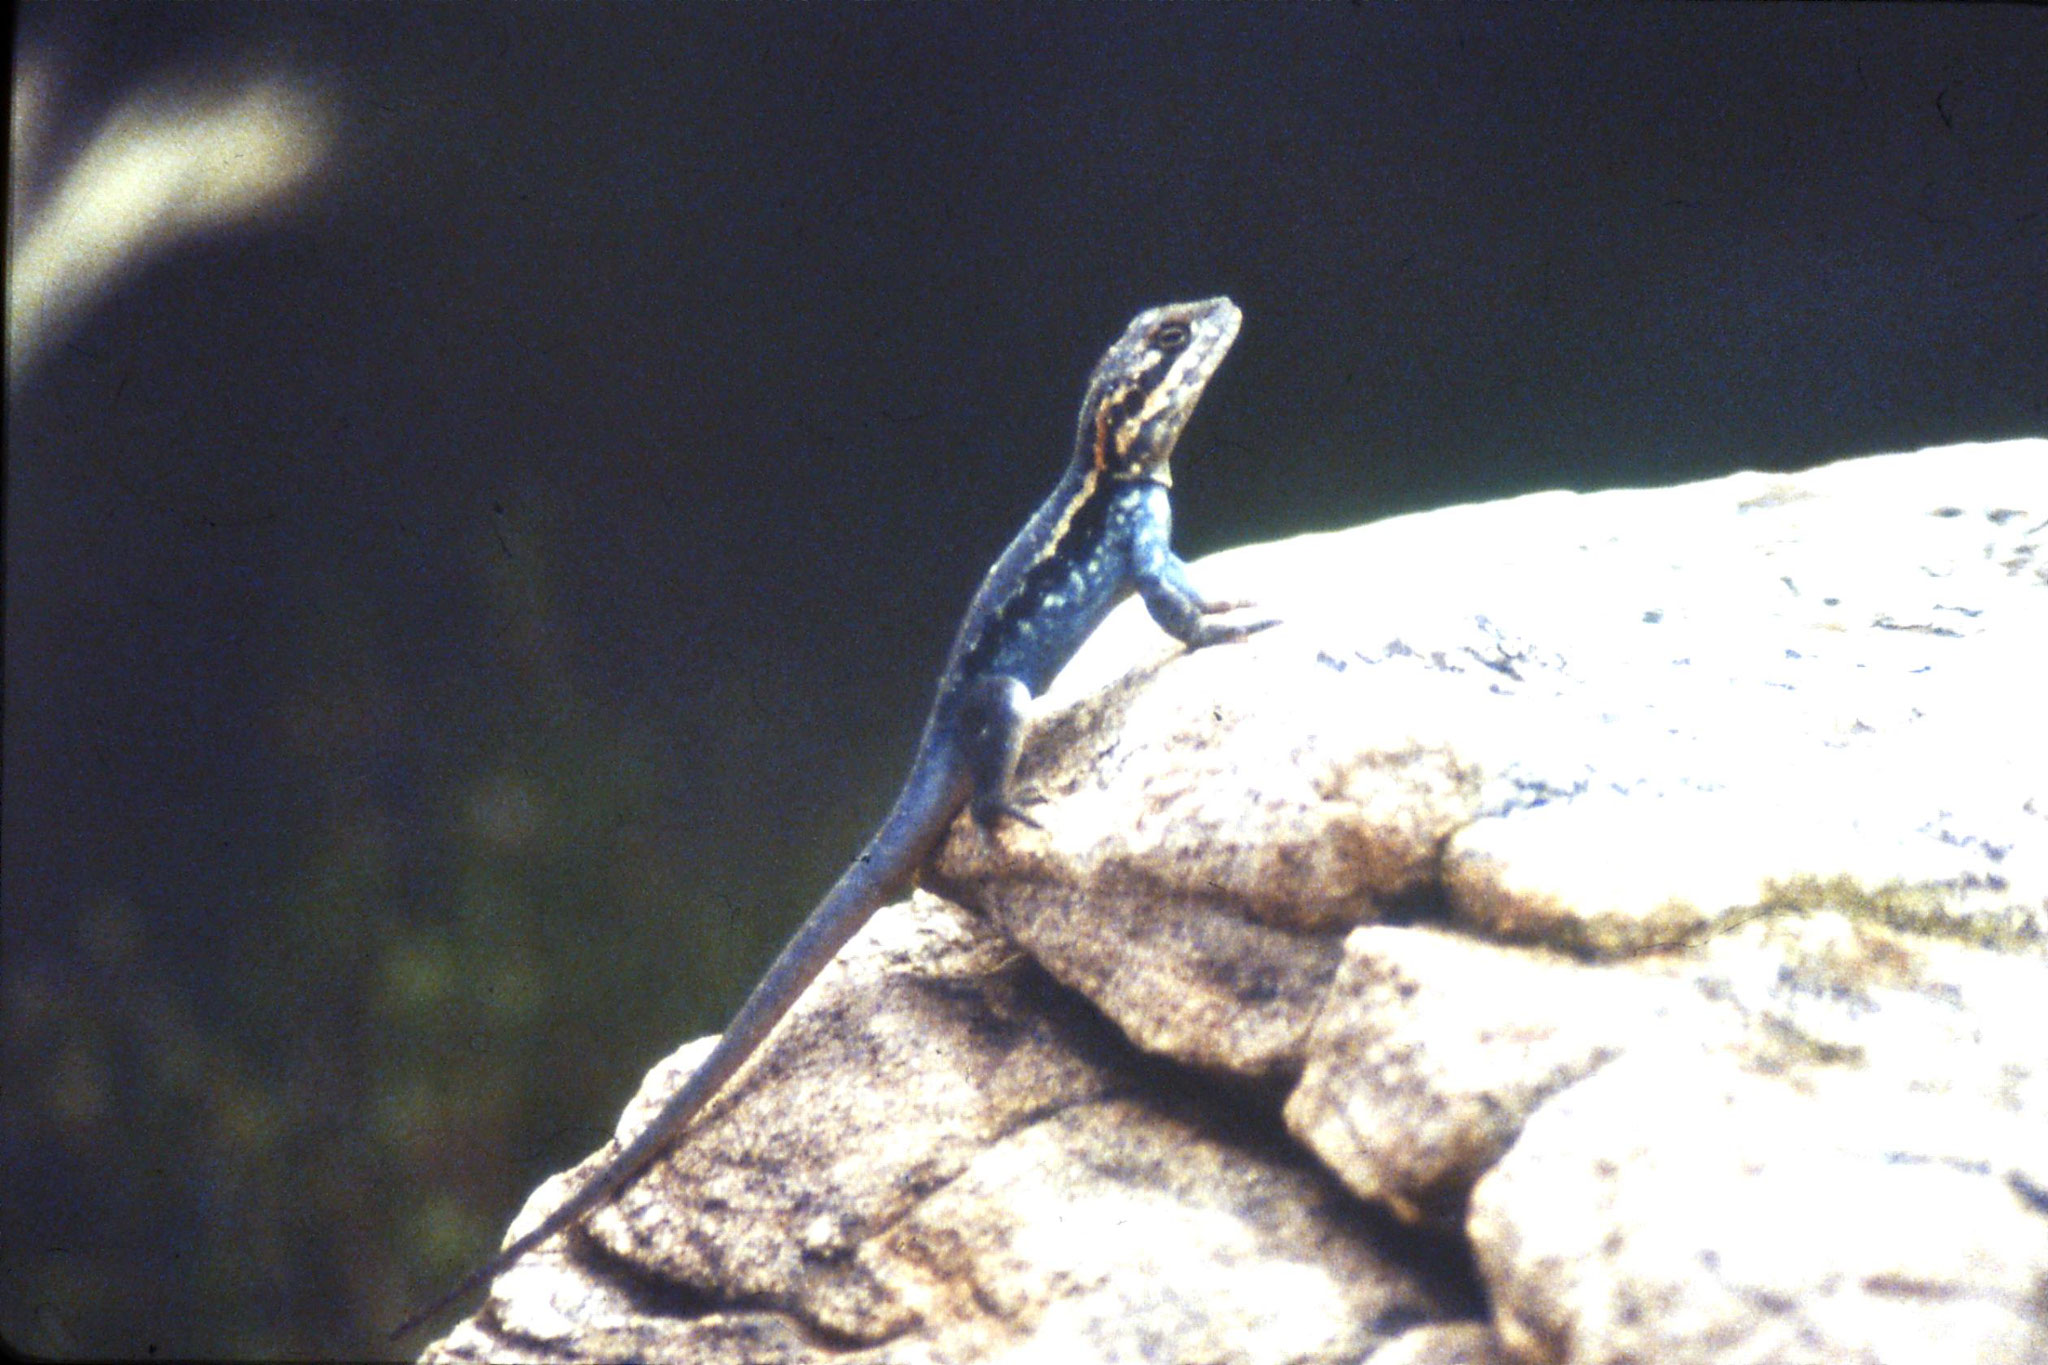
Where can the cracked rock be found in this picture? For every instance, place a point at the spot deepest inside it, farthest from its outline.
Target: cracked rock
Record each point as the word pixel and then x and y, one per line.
pixel 942 1157
pixel 1590 929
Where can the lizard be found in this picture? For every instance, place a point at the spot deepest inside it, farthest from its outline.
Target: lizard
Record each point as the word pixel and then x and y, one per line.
pixel 1103 533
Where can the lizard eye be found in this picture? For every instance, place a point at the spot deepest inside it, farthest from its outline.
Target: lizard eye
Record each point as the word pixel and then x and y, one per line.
pixel 1171 337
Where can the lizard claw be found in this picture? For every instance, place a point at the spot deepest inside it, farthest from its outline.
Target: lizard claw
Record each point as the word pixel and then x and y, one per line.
pixel 1223 633
pixel 987 813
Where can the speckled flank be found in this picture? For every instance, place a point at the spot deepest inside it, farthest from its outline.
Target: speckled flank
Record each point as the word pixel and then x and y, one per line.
pixel 1072 562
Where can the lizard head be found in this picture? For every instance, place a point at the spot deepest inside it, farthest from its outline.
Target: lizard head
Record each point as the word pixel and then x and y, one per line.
pixel 1146 385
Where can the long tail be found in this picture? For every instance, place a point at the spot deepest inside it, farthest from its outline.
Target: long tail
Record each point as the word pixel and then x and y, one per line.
pixel 883 871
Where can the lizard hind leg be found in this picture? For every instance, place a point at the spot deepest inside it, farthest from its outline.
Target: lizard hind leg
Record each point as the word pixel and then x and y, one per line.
pixel 992 719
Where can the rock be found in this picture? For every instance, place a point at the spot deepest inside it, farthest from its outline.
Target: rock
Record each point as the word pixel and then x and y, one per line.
pixel 1690 1210
pixel 943 1157
pixel 1592 928
pixel 1807 1139
pixel 1458 1343
pixel 1434 1049
pixel 1210 834
pixel 1116 1231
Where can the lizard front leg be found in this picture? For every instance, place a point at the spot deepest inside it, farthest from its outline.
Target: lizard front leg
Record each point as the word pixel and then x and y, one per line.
pixel 1184 613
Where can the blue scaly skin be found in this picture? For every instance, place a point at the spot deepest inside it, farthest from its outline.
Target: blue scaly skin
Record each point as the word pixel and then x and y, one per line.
pixel 1104 533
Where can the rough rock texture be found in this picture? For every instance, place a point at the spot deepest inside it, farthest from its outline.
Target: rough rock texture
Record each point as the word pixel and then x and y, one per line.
pixel 946 1158
pixel 1593 928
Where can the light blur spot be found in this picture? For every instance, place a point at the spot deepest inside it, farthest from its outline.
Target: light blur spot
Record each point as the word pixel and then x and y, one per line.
pixel 165 165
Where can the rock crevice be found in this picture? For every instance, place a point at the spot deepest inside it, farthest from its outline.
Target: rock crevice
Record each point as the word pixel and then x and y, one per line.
pixel 1643 895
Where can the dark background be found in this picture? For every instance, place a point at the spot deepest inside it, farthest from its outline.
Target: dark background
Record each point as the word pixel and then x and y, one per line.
pixel 455 629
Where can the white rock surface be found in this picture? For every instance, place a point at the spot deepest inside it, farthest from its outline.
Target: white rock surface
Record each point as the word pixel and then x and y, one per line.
pixel 1642 895
pixel 1686 1210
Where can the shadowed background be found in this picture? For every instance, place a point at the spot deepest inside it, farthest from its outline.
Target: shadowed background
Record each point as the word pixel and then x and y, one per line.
pixel 460 616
